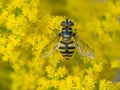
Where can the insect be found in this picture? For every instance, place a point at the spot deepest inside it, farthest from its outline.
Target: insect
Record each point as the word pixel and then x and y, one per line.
pixel 67 41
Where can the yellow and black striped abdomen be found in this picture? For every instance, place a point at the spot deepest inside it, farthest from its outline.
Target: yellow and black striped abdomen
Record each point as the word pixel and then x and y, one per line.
pixel 67 49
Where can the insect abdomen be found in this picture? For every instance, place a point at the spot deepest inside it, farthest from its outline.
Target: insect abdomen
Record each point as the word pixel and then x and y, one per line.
pixel 66 49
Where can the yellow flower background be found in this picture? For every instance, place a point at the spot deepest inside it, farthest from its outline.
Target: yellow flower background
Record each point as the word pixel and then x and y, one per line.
pixel 27 26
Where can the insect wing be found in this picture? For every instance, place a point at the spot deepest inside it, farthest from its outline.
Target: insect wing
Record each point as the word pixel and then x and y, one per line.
pixel 51 48
pixel 83 48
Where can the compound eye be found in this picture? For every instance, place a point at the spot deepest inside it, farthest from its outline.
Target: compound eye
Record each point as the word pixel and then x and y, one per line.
pixel 71 23
pixel 67 23
pixel 63 23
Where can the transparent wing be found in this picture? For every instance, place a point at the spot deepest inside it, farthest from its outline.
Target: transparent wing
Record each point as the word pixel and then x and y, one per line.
pixel 83 48
pixel 51 48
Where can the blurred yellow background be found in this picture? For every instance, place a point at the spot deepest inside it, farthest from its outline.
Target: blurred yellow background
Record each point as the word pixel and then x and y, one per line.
pixel 27 25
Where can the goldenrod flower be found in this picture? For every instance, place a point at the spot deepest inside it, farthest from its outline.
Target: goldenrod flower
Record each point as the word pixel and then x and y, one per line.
pixel 28 26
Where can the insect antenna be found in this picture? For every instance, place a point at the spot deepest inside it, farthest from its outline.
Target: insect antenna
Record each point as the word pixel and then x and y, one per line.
pixel 67 20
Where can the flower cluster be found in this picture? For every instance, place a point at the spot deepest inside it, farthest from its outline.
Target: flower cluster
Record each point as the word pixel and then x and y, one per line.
pixel 28 26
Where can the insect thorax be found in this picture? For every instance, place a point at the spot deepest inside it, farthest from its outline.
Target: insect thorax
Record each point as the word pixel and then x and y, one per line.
pixel 66 34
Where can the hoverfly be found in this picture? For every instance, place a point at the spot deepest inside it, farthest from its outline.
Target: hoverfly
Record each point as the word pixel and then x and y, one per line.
pixel 67 41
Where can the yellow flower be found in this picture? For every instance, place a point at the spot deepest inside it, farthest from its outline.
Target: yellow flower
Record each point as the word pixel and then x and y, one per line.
pixel 28 26
pixel 105 85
